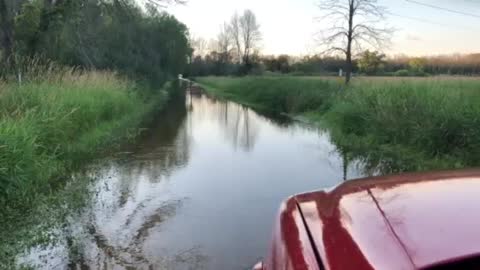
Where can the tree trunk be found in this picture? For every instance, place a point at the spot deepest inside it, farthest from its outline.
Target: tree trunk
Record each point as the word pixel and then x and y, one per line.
pixel 246 62
pixel 348 67
pixel 348 63
pixel 7 38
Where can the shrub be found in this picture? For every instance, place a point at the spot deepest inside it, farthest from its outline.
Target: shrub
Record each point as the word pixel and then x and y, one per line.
pixel 402 73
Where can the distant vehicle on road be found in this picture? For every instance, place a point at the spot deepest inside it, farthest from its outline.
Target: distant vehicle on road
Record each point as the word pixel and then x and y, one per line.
pixel 411 221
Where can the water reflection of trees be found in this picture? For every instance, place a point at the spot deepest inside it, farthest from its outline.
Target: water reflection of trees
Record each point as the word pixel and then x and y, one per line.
pixel 374 160
pixel 128 205
pixel 129 202
pixel 166 147
pixel 163 149
pixel 239 125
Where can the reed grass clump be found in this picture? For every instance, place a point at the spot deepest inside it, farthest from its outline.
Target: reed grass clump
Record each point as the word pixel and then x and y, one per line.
pixel 437 119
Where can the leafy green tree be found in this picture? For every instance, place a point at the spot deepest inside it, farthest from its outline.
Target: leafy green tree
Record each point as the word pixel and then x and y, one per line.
pixel 27 24
pixel 371 63
pixel 417 64
pixel 145 44
pixel 8 10
pixel 278 64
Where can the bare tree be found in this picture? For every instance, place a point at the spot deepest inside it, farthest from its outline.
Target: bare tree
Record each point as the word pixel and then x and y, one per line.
pixel 224 46
pixel 353 26
pixel 245 34
pixel 199 45
pixel 236 36
pixel 250 31
pixel 224 40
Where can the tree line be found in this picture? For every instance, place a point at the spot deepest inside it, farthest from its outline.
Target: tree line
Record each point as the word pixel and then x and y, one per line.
pixel 352 37
pixel 370 63
pixel 139 41
pixel 351 26
pixel 235 50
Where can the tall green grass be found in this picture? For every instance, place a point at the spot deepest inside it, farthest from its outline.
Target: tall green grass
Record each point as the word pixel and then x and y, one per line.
pixel 392 124
pixel 290 95
pixel 49 126
pixel 420 123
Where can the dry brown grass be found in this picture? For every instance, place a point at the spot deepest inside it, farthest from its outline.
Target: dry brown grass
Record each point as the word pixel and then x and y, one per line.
pixel 37 70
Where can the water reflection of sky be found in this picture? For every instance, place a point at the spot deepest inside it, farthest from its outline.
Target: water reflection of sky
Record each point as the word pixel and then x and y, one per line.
pixel 200 191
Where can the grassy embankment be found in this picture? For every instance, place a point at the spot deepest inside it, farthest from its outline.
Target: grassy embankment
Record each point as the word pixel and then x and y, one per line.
pixel 391 124
pixel 52 126
pixel 49 128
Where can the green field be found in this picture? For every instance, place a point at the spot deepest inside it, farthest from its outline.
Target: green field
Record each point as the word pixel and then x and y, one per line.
pixel 391 124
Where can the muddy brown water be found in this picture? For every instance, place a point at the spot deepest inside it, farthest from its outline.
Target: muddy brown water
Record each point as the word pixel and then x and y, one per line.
pixel 200 191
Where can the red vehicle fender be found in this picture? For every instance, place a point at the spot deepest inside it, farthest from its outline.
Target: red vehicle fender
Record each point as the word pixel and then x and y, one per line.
pixel 291 247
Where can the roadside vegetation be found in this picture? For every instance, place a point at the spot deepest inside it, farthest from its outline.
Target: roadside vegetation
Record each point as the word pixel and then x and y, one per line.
pixel 48 127
pixel 391 124
pixel 77 79
pixel 140 42
pixel 74 78
pixel 289 95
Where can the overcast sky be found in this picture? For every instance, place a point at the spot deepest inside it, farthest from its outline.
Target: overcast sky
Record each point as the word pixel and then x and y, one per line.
pixel 288 26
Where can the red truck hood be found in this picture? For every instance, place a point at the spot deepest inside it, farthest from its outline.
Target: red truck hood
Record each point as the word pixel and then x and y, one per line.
pixel 413 221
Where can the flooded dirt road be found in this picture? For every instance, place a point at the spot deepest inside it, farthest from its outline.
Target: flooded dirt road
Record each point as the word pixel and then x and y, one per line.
pixel 200 191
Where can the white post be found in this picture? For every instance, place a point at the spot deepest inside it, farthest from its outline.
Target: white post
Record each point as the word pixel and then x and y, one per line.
pixel 19 77
pixel 340 73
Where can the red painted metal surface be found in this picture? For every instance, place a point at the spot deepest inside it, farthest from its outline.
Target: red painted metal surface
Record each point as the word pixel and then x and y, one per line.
pixel 291 246
pixel 411 221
